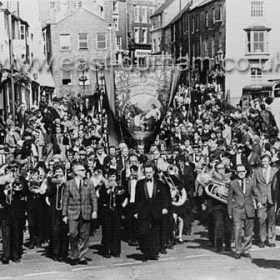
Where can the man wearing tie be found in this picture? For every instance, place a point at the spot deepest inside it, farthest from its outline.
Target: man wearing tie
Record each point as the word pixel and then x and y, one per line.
pixel 263 177
pixel 151 204
pixel 130 191
pixel 79 207
pixel 241 209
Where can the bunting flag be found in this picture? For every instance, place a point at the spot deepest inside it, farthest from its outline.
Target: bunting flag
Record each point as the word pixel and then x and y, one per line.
pixel 139 100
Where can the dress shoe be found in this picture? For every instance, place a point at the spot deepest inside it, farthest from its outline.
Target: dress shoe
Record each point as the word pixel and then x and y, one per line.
pixel 83 262
pixel 74 262
pixel 153 258
pixel 31 246
pixel 107 256
pixel 115 255
pixel 16 260
pixel 163 251
pixel 246 255
pixel 268 244
pixel 144 258
pixel 5 261
pixel 261 245
pixel 228 249
pixel 237 256
pixel 55 259
pixel 180 241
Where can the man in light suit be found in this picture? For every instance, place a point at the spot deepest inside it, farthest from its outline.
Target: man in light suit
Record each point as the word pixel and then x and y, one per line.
pixel 151 204
pixel 79 207
pixel 242 210
pixel 265 190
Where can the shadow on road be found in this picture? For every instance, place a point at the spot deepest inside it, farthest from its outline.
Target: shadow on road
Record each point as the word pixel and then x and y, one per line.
pixel 263 263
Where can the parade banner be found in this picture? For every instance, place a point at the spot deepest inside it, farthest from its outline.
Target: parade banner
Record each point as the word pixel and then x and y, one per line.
pixel 139 100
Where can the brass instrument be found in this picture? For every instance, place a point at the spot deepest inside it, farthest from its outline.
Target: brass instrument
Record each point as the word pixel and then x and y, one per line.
pixel 175 193
pixel 217 190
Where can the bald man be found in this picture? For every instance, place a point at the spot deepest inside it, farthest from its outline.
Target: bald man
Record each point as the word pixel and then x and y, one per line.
pixel 79 207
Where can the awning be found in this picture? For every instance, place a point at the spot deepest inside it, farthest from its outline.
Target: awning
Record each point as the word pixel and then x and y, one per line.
pixel 45 79
pixel 257 28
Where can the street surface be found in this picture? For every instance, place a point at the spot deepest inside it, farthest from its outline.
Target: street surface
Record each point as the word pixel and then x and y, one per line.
pixel 191 260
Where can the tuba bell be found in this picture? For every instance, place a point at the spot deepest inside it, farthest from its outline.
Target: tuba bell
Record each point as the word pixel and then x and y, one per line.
pixel 217 190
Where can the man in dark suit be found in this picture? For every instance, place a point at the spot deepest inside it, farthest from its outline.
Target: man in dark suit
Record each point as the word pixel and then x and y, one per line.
pixel 79 206
pixel 151 203
pixel 241 209
pixel 263 177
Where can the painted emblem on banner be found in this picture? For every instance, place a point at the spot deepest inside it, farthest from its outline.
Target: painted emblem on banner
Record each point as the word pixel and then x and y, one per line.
pixel 142 100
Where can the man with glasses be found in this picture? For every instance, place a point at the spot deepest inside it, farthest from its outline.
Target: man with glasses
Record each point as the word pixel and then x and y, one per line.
pixel 79 207
pixel 263 177
pixel 241 209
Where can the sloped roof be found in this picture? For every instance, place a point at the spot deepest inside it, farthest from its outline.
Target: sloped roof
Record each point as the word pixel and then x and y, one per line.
pixel 78 10
pixel 199 3
pixel 180 14
pixel 162 7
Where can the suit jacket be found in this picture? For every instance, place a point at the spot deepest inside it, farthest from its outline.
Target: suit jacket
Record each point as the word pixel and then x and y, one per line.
pixel 146 206
pixel 241 205
pixel 262 188
pixel 76 203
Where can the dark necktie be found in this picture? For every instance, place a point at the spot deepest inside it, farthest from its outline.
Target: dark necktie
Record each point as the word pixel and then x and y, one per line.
pixel 81 184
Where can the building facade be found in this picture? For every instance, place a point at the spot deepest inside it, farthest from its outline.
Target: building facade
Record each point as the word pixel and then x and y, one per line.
pixel 139 26
pixel 252 44
pixel 76 46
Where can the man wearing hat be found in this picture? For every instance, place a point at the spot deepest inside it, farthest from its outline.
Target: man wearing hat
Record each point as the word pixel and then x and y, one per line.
pixel 79 207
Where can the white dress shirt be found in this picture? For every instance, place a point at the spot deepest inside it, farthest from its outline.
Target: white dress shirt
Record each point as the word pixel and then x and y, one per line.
pixel 150 187
pixel 132 190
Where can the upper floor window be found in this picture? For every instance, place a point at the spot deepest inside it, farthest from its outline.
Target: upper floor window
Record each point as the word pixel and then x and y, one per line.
pixel 144 14
pixel 136 13
pixel 115 7
pixel 257 41
pixel 197 22
pixel 119 42
pixel 101 41
pixel 83 41
pixel 193 23
pixel 256 9
pixel 116 22
pixel 64 42
pixel 22 32
pixel 136 35
pixel 206 19
pixel 144 37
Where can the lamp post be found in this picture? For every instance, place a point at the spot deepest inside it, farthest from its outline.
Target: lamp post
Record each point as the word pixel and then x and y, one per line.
pixel 220 74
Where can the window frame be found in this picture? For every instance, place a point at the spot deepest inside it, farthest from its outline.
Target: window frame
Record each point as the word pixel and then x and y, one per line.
pixel 257 12
pixel 256 78
pixel 206 19
pixel 70 74
pixel 83 41
pixel 138 39
pixel 117 26
pixel 22 32
pixel 60 45
pixel 98 41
